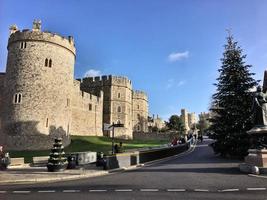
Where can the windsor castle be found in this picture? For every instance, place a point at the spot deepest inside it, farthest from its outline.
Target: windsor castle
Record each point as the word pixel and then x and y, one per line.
pixel 40 99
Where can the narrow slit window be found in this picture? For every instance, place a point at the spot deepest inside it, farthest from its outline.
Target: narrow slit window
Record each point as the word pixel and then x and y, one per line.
pixel 46 62
pixel 25 45
pixel 46 123
pixel 15 98
pixel 21 45
pixel 119 95
pixel 119 109
pixel 50 63
pixel 68 102
pixel 19 98
pixel 90 106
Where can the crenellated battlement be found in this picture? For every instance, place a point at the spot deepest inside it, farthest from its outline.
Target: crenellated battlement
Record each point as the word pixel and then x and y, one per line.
pixel 138 94
pixel 39 36
pixel 107 81
pixel 89 97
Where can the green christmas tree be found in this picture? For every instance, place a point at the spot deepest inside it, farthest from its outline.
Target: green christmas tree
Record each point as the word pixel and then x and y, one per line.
pixel 57 160
pixel 232 103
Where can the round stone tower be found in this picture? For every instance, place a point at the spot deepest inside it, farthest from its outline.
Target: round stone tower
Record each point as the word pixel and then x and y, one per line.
pixel 37 94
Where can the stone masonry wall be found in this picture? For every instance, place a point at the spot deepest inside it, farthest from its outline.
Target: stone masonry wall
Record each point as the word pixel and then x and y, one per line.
pixel 87 112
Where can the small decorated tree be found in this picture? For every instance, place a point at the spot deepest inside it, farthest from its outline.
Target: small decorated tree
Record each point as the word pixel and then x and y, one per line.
pixel 57 160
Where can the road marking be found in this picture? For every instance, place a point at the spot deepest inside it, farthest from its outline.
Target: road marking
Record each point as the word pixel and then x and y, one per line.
pixel 255 189
pixel 2 192
pixel 46 191
pixel 123 190
pixel 149 190
pixel 176 190
pixel 71 191
pixel 97 190
pixel 229 190
pixel 21 192
pixel 201 190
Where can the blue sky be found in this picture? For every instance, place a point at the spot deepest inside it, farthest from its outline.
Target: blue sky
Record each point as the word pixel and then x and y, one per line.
pixel 169 48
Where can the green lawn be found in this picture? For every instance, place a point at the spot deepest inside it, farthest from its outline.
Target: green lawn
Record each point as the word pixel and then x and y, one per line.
pixel 90 143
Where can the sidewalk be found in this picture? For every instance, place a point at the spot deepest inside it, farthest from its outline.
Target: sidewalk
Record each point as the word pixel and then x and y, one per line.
pixel 17 175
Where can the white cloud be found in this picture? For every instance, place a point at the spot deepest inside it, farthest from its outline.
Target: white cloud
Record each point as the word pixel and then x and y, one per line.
pixel 180 83
pixel 170 83
pixel 175 56
pixel 92 73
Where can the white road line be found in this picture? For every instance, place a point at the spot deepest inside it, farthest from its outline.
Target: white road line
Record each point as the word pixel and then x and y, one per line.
pixel 229 190
pixel 149 190
pixel 97 190
pixel 46 191
pixel 123 190
pixel 176 190
pixel 2 192
pixel 201 190
pixel 71 191
pixel 21 192
pixel 255 189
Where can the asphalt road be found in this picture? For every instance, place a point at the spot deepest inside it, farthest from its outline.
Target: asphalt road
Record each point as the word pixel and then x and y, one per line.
pixel 198 174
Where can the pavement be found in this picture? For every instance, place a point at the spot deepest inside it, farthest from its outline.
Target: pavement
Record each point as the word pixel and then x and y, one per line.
pixel 198 174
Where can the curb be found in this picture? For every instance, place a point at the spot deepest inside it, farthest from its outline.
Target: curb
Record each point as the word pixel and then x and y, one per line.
pixel 257 176
pixel 45 180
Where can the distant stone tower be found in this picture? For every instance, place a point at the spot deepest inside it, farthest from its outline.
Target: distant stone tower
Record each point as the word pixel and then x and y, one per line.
pixel 140 111
pixel 117 106
pixel 184 117
pixel 39 75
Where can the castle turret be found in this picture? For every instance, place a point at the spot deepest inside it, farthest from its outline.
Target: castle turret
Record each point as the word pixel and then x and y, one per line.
pixel 39 75
pixel 117 101
pixel 140 111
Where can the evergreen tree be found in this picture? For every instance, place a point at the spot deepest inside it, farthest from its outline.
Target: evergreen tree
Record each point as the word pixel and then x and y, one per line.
pixel 232 103
pixel 175 123
pixel 57 160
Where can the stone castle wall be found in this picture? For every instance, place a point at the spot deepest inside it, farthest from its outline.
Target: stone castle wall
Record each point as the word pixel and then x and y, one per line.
pixel 140 111
pixel 87 112
pixel 40 100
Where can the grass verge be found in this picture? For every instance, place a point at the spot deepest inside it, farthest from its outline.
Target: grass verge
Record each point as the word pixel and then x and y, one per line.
pixel 90 143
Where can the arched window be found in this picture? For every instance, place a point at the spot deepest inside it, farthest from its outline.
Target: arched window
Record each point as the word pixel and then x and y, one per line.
pixel 50 63
pixel 46 62
pixel 119 109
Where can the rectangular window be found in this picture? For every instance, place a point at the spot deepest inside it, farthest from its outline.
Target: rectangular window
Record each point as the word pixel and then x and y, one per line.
pixel 68 102
pixel 90 106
